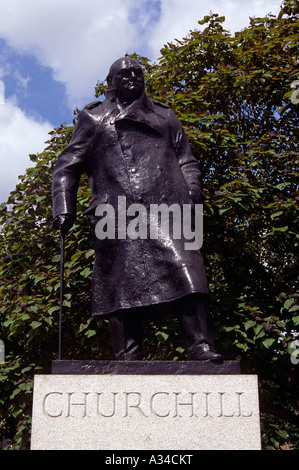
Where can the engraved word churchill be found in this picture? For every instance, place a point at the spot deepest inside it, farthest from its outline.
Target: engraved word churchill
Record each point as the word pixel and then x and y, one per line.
pixel 161 404
pixel 146 411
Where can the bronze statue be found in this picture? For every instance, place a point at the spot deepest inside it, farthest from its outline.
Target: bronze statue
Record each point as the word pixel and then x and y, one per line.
pixel 134 150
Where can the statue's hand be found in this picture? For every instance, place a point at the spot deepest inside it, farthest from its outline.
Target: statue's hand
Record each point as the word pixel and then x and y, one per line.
pixel 63 222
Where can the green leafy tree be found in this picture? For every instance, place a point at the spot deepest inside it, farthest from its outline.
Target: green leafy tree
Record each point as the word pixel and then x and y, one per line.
pixel 235 96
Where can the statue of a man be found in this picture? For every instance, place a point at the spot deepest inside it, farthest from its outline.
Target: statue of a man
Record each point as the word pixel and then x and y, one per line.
pixel 134 151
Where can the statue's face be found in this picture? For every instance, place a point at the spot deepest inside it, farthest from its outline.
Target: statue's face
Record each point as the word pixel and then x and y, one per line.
pixel 128 81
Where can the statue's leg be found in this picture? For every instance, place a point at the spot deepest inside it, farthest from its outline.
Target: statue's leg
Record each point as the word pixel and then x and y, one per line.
pixel 194 318
pixel 126 335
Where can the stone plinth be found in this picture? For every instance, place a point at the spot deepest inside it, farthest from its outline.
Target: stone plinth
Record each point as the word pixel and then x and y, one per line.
pixel 124 411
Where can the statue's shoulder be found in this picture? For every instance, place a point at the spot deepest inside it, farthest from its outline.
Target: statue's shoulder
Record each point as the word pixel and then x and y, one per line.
pixel 92 105
pixel 158 103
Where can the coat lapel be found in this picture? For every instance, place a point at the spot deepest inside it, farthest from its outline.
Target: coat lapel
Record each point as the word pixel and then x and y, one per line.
pixel 142 111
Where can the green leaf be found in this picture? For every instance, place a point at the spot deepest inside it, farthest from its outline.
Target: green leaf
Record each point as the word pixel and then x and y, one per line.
pixel 224 209
pixel 25 317
pixel 35 324
pixel 14 393
pixel 276 214
pixel 89 253
pixel 83 327
pixel 90 333
pixel 229 328
pixel 39 278
pixel 26 369
pixel 282 185
pixel 242 346
pixel 53 309
pixel 295 308
pixel 258 329
pixel 288 303
pixel 249 324
pixel 162 336
pixel 268 342
pixel 282 433
pixel 86 272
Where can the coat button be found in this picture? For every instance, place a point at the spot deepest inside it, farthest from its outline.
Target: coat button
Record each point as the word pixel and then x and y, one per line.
pixel 112 122
pixel 133 170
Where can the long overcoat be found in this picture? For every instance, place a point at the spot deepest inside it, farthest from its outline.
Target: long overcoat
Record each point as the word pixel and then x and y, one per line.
pixel 142 154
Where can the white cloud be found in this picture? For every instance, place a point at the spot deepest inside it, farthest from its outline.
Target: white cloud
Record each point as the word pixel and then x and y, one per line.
pixel 2 92
pixel 78 40
pixel 178 17
pixel 20 135
pixel 23 81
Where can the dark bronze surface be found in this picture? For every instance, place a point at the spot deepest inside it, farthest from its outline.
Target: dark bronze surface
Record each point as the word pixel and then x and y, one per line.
pixel 132 146
pixel 145 367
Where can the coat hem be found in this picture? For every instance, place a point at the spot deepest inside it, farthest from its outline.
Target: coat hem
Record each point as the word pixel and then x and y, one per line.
pixel 148 305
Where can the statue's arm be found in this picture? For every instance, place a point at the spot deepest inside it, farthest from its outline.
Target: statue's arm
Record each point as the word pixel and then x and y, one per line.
pixel 188 163
pixel 70 165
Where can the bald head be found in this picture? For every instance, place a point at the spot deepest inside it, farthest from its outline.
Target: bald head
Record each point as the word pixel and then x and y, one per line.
pixel 123 62
pixel 126 78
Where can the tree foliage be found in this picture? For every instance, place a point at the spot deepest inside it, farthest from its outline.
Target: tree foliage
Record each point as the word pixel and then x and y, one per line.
pixel 234 96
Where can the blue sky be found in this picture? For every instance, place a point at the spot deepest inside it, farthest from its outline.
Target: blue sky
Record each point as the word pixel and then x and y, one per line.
pixel 52 52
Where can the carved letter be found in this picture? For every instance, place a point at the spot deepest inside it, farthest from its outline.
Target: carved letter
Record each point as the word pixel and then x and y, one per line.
pixel 98 405
pixel 221 406
pixel 152 405
pixel 84 404
pixel 137 405
pixel 207 404
pixel 240 408
pixel 45 404
pixel 184 404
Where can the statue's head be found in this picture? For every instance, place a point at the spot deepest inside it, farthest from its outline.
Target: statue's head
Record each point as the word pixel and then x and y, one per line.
pixel 126 79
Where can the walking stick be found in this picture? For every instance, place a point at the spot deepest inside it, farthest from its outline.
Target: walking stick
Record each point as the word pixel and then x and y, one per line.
pixel 61 289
